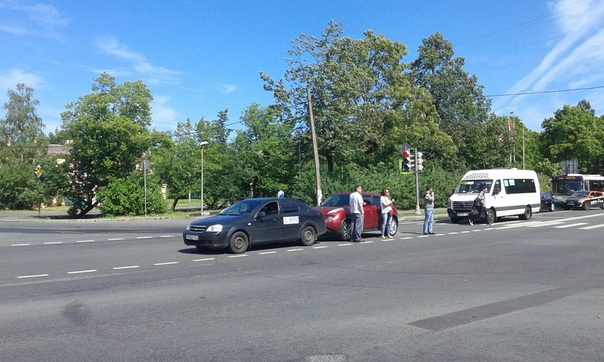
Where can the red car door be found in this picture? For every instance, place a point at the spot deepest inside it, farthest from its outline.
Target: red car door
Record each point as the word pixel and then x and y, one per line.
pixel 371 213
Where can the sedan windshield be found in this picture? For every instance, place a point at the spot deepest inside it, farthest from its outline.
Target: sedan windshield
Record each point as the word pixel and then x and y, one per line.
pixel 245 207
pixel 337 201
pixel 580 194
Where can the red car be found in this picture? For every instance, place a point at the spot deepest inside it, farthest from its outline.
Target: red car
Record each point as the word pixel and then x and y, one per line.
pixel 336 211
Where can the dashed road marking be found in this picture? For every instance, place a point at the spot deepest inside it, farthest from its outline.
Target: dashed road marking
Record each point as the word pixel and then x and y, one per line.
pixel 166 263
pixel 82 271
pixel 569 225
pixel 126 267
pixel 85 241
pixel 32 276
pixel 205 259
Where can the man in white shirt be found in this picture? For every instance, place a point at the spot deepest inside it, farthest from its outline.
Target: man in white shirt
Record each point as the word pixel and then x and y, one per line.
pixel 356 214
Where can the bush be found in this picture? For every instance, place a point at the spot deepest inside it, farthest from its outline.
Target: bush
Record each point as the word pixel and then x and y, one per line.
pixel 127 197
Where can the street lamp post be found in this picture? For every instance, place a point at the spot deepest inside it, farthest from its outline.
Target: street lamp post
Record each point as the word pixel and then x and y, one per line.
pixel 202 144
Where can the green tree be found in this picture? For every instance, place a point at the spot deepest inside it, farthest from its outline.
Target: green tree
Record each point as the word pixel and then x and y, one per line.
pixel 108 134
pixel 459 101
pixel 575 133
pixel 22 129
pixel 265 151
pixel 22 148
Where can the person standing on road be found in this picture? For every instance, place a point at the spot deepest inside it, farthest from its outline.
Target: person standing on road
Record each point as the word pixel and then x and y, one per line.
pixel 356 214
pixel 428 210
pixel 386 203
pixel 479 205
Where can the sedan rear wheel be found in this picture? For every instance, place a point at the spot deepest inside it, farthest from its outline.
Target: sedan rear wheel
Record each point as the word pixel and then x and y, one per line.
pixel 309 236
pixel 239 242
pixel 586 205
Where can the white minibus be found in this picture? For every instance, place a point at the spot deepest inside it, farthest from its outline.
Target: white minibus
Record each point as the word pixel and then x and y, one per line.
pixel 511 192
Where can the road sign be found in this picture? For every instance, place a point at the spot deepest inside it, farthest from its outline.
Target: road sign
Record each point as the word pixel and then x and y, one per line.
pixel 38 171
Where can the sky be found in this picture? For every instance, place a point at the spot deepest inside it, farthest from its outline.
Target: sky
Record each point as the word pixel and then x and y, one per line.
pixel 201 57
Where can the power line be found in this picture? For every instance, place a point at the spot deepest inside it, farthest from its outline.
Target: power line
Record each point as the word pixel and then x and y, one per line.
pixel 544 92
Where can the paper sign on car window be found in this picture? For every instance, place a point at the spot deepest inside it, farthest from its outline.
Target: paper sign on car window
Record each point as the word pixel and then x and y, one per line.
pixel 289 220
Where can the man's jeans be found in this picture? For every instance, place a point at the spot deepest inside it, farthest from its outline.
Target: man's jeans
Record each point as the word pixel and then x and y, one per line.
pixel 428 221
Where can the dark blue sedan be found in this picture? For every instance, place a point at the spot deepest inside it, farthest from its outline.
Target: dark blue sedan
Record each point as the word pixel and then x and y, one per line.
pixel 256 221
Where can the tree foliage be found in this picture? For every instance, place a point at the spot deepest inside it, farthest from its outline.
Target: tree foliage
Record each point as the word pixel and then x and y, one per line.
pixel 574 132
pixel 108 131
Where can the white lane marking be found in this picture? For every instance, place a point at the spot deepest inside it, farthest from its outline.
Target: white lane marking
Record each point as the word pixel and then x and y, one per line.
pixel 570 225
pixel 20 244
pixel 166 263
pixel 367 242
pixel 144 237
pixel 237 256
pixel 268 252
pixel 115 239
pixel 126 267
pixel 205 259
pixel 423 236
pixel 295 250
pixel 53 242
pixel 32 276
pixel 545 223
pixel 166 236
pixel 320 247
pixel 465 231
pixel 407 238
pixel 476 230
pixel 592 227
pixel 85 241
pixel 345 244
pixel 454 233
pixel 82 271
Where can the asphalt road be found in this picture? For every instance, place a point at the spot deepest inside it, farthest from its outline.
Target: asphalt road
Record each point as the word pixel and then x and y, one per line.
pixel 132 291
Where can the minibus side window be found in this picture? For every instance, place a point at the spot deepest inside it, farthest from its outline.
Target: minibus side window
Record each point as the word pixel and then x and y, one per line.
pixel 497 188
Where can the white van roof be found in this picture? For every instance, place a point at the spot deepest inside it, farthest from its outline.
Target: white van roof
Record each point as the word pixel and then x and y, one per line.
pixel 497 173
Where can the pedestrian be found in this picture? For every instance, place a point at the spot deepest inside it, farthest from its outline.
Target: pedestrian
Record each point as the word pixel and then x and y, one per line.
pixel 356 214
pixel 386 203
pixel 479 208
pixel 428 210
pixel 280 194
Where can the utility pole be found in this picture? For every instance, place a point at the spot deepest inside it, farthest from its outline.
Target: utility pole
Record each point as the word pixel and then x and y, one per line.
pixel 315 149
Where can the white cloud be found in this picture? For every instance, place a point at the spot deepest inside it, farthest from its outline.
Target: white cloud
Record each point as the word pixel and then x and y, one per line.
pixel 164 117
pixel 138 63
pixel 9 80
pixel 227 89
pixel 27 20
pixel 576 60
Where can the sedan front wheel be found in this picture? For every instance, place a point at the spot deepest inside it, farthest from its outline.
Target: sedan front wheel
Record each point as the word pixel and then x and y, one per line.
pixel 239 242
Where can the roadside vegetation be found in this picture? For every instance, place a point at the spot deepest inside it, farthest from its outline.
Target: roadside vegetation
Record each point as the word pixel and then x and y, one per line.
pixel 368 99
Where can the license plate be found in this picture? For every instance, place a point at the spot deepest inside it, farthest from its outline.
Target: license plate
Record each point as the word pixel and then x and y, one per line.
pixel 462 214
pixel 570 202
pixel 192 237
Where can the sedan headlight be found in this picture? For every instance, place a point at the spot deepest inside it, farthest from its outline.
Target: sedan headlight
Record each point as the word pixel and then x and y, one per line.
pixel 216 228
pixel 188 227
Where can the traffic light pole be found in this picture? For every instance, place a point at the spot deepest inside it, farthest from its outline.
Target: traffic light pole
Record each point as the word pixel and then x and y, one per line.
pixel 416 171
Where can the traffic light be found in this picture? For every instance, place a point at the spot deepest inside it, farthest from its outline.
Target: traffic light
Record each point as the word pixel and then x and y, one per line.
pixel 419 161
pixel 407 164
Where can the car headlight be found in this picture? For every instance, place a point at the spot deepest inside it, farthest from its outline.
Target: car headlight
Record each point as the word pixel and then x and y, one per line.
pixel 216 228
pixel 188 227
pixel 329 219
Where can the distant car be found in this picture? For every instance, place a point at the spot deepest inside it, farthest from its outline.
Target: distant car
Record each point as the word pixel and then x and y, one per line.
pixel 256 221
pixel 584 200
pixel 336 211
pixel 547 202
